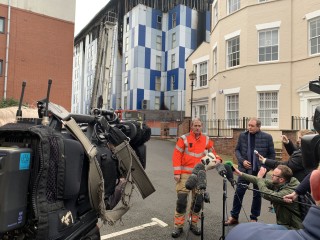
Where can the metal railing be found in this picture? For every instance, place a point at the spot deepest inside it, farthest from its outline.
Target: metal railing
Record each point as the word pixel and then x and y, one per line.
pixel 223 127
pixel 298 123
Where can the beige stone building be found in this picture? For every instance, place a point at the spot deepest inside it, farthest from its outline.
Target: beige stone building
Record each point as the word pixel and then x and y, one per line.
pixel 260 59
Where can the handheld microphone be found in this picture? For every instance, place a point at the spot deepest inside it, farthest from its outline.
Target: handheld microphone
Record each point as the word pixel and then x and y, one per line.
pixel 225 170
pixel 192 181
pixel 221 170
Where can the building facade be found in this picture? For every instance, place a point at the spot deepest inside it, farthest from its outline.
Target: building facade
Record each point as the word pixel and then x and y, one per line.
pixel 260 59
pixel 142 65
pixel 36 44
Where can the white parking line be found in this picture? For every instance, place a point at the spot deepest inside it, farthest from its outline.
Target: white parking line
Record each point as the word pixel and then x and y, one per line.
pixel 155 221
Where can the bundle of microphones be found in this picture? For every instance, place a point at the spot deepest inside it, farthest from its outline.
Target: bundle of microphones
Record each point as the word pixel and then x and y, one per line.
pixel 198 178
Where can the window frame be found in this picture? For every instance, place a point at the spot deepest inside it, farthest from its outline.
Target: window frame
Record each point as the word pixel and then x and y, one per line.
pixel 158 63
pixel 268 31
pixel 232 110
pixel 233 6
pixel 174 19
pixel 173 61
pixel 265 109
pixel 159 42
pixel 215 61
pixel 229 55
pixel 203 74
pixel 2 30
pixel 157 103
pixel 173 40
pixel 317 37
pixel 215 14
pixel 126 64
pixel 1 67
pixel 171 103
pixel 157 83
pixel 172 81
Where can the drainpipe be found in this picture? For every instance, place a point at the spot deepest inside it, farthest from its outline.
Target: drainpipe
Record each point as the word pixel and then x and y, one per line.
pixel 7 53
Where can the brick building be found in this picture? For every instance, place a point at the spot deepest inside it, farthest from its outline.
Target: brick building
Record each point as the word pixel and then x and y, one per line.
pixel 36 44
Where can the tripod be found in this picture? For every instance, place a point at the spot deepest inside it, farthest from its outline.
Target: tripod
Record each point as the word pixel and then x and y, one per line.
pixel 224 199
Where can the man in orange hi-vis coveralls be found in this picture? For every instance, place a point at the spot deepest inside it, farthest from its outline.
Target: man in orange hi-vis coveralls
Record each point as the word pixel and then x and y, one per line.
pixel 189 150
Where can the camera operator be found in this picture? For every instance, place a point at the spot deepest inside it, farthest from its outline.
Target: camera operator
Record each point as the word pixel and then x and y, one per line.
pixel 281 184
pixel 311 224
pixel 189 150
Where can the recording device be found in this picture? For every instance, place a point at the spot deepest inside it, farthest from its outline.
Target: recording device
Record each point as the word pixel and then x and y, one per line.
pixel 202 180
pixel 256 152
pixel 310 144
pixel 51 167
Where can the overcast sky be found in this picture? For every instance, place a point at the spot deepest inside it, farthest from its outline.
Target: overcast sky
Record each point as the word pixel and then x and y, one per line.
pixel 85 11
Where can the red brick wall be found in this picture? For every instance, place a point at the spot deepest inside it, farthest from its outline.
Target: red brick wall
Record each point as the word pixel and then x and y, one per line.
pixel 41 48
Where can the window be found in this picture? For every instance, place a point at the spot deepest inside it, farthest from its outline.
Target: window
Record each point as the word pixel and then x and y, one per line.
pixel 172 103
pixel 233 54
pixel 159 42
pixel 203 117
pixel 159 22
pixel 268 45
pixel 1 25
pixel 173 40
pixel 127 44
pixel 158 63
pixel 203 74
pixel 125 85
pixel 127 25
pixel 125 103
pixel 215 61
pixel 215 14
pixel 126 64
pixel 157 103
pixel 232 110
pixel 173 61
pixel 314 26
pixel 1 67
pixel 158 84
pixel 268 108
pixel 233 5
pixel 174 20
pixel 172 82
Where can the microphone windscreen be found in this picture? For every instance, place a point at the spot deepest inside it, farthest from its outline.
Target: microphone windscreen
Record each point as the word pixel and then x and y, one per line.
pixel 191 182
pixel 197 168
pixel 229 173
pixel 202 180
pixel 221 170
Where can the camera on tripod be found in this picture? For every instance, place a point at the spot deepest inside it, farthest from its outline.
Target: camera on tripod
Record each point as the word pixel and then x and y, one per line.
pixel 60 172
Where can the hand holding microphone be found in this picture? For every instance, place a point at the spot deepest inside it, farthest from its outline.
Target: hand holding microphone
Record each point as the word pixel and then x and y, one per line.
pixel 260 157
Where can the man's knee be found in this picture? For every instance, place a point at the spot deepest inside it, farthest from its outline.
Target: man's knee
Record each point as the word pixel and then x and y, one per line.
pixel 182 202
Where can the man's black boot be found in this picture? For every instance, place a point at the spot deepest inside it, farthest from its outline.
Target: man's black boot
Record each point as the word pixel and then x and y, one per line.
pixel 176 232
pixel 195 230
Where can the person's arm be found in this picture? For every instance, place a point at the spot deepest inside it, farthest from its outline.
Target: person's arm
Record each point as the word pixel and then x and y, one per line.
pixel 302 189
pixel 290 147
pixel 177 159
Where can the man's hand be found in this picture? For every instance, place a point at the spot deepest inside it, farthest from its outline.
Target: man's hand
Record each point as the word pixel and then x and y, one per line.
pixel 237 172
pixel 290 197
pixel 261 172
pixel 261 158
pixel 246 164
pixel 177 177
pixel 284 139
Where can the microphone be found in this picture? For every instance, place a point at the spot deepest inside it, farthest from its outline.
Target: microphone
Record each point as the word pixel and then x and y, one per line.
pixel 202 180
pixel 225 170
pixel 192 181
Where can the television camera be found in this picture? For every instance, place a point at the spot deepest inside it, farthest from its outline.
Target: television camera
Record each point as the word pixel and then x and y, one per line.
pixel 60 172
pixel 310 144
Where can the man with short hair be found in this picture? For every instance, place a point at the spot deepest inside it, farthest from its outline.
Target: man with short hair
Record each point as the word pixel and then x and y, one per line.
pixel 250 141
pixel 281 184
pixel 311 223
pixel 189 150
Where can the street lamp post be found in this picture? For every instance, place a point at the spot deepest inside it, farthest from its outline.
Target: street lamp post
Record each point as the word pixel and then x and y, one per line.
pixel 192 77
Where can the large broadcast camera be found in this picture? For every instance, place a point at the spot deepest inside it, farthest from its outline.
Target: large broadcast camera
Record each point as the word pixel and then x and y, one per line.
pixel 310 144
pixel 60 172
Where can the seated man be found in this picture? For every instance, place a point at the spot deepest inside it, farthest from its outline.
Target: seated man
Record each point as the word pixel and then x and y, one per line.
pixel 282 183
pixel 311 223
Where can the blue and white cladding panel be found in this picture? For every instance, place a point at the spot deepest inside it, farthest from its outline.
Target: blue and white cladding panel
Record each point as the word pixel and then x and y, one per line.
pixel 144 27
